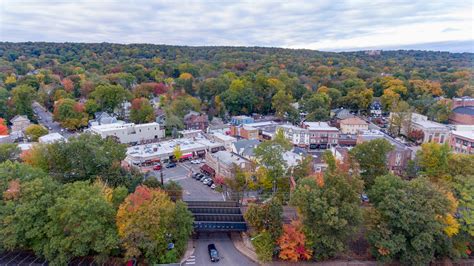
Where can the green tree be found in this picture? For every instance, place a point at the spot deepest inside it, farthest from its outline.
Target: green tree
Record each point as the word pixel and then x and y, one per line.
pixel 82 222
pixel 433 158
pixel 281 103
pixel 317 106
pixel 109 97
pixel 148 221
pixel 35 131
pixel 22 98
pixel 142 111
pixel 9 151
pixel 4 96
pixel 177 153
pixel 264 246
pixel 400 117
pixel 404 224
pixel 371 157
pixel 70 114
pixel 93 156
pixel 464 192
pixel 329 211
pixel 266 217
pixel 24 220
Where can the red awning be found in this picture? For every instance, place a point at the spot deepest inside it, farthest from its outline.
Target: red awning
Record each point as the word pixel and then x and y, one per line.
pixel 184 156
pixel 208 169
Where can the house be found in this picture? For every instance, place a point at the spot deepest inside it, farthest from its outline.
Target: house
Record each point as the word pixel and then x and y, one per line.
pixel 245 148
pixel 130 133
pixel 397 159
pixel 20 123
pixel 341 113
pixel 463 111
pixel 222 163
pixel 298 136
pixel 432 131
pixel 103 118
pixel 462 139
pixel 321 135
pixel 353 125
pixel 375 109
pixel 241 120
pixel 244 131
pixel 195 120
pixel 51 138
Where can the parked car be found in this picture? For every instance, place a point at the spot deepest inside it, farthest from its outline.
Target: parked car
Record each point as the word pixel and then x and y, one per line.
pixel 213 253
pixel 199 176
pixel 157 167
pixel 210 183
pixel 213 186
pixel 171 165
pixel 207 181
pixel 203 178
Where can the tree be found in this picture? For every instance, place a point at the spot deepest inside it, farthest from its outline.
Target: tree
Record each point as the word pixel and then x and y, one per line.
pixel 237 183
pixel 177 153
pixel 174 190
pixel 303 169
pixel 22 98
pixel 464 191
pixel 329 211
pixel 9 151
pixel 142 111
pixel 148 221
pixel 281 103
pixel 317 106
pixel 24 220
pixel 388 98
pixel 70 114
pixel 293 243
pixel 109 97
pixel 4 97
pixel 400 117
pixel 433 158
pixel 264 246
pixel 269 154
pixel 267 217
pixel 405 222
pixel 440 111
pixel 371 157
pixel 94 157
pixel 81 223
pixel 35 131
pixel 3 128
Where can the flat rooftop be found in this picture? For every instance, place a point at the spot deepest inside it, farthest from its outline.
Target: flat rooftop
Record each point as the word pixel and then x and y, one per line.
pixel 430 124
pixel 319 126
pixel 468 134
pixel 114 126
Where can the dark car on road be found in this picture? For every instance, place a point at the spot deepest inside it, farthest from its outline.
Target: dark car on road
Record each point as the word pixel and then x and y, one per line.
pixel 171 165
pixel 213 254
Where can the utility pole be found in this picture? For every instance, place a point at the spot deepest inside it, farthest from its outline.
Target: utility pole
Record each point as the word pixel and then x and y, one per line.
pixel 161 173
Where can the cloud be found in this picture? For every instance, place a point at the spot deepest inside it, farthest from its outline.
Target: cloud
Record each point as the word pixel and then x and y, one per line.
pixel 322 24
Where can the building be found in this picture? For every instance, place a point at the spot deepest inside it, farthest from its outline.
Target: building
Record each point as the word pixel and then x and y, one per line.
pixel 462 139
pixel 245 148
pixel 375 109
pixel 163 151
pixel 296 135
pixel 51 138
pixel 432 131
pixel 321 135
pixel 226 140
pixel 103 118
pixel 463 111
pixel 222 163
pixel 241 120
pixel 195 120
pixel 130 133
pixel 20 123
pixel 190 133
pixel 397 159
pixel 244 131
pixel 341 113
pixel 353 125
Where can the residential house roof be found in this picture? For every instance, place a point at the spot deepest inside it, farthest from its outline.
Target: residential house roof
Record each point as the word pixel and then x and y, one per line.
pixel 353 121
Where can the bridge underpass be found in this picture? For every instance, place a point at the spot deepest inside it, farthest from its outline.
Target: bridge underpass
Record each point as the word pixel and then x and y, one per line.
pixel 217 216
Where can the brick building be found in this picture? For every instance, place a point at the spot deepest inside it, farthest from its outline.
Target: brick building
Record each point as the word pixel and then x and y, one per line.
pixel 321 135
pixel 463 111
pixel 462 141
pixel 195 120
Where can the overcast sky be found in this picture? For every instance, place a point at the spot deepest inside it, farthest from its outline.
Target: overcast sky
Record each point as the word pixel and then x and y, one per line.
pixel 317 24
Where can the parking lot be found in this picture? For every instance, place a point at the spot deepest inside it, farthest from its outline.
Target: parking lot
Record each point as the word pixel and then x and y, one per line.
pixel 192 189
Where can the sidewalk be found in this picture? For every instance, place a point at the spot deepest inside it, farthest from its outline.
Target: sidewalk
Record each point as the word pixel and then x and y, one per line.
pixel 189 251
pixel 242 245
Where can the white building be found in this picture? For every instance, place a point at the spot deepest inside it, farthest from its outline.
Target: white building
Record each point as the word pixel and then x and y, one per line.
pixel 163 151
pixel 51 138
pixel 130 132
pixel 296 135
pixel 226 140
pixel 432 131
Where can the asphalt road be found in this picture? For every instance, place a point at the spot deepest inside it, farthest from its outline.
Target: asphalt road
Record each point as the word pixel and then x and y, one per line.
pixel 45 118
pixel 229 256
pixel 193 189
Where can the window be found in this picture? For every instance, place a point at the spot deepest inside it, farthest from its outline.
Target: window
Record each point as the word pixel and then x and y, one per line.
pixel 442 139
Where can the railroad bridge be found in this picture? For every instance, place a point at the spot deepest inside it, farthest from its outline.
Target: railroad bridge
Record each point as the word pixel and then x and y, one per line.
pixel 217 216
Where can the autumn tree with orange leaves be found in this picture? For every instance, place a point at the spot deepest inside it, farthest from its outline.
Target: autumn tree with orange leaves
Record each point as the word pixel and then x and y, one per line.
pixel 149 222
pixel 293 243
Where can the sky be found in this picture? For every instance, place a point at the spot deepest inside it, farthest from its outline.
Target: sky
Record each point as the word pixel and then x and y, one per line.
pixel 337 25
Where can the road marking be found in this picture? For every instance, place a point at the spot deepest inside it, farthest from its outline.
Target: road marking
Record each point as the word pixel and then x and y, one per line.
pixel 190 262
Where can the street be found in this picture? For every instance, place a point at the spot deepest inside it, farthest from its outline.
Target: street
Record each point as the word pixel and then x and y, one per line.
pixel 45 118
pixel 193 190
pixel 228 254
